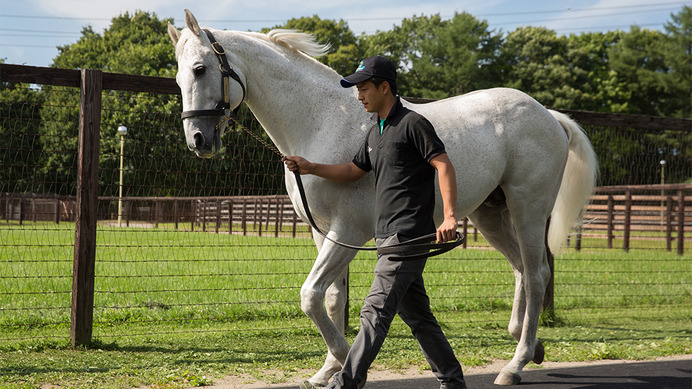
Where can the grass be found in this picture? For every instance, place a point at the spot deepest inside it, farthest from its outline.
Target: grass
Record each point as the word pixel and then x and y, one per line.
pixel 176 309
pixel 175 356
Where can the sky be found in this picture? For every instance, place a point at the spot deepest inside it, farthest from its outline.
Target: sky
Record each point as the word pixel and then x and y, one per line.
pixel 31 30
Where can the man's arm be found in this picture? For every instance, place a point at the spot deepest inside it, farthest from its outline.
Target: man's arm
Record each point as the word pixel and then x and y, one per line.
pixel 448 188
pixel 341 172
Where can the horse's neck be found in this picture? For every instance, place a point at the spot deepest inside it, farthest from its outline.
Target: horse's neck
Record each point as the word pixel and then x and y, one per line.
pixel 300 103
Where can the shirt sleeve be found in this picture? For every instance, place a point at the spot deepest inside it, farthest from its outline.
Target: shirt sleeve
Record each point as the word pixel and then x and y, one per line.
pixel 426 140
pixel 362 158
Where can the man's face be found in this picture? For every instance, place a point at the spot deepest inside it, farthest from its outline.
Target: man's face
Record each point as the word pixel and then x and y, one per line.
pixel 372 97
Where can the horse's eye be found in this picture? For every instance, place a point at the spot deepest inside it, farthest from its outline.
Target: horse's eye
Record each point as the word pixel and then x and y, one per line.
pixel 199 71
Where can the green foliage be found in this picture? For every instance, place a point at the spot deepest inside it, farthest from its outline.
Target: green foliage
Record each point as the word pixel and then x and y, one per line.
pixel 446 58
pixel 133 44
pixel 21 137
pixel 677 83
pixel 639 63
pixel 598 89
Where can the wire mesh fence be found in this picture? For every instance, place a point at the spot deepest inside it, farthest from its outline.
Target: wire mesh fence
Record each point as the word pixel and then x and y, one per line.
pixel 213 244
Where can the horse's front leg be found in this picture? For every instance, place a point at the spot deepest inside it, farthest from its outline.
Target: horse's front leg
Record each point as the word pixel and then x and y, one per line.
pixel 327 279
pixel 335 304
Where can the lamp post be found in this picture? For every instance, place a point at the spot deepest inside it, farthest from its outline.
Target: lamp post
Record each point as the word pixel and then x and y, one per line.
pixel 663 182
pixel 122 131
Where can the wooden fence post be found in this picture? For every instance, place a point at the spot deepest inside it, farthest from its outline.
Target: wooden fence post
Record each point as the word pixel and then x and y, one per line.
pixel 465 231
pixel 259 216
pixel 230 216
pixel 218 215
pixel 628 219
pixel 294 224
pixel 681 222
pixel 87 201
pixel 57 210
pixel 243 217
pixel 611 218
pixel 278 220
pixel 669 223
pixel 175 213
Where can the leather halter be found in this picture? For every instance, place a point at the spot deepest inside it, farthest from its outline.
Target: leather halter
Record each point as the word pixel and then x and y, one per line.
pixel 227 73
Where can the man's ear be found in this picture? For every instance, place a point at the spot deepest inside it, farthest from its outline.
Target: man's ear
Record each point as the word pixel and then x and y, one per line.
pixel 385 87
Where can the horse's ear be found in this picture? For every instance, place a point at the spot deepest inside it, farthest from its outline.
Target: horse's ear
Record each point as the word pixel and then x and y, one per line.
pixel 191 22
pixel 173 33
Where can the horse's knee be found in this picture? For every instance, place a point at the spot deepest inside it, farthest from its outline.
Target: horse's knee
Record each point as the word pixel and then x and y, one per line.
pixel 311 300
pixel 335 299
pixel 515 328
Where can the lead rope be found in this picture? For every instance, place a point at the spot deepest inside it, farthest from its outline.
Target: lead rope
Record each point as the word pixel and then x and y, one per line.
pixel 396 252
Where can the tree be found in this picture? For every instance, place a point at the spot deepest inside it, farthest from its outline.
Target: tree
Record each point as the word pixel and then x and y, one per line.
pixel 133 44
pixel 677 83
pixel 439 58
pixel 19 129
pixel 597 83
pixel 639 63
pixel 536 61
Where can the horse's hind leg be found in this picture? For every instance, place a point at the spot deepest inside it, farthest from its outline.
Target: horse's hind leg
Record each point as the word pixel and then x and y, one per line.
pixel 496 226
pixel 495 223
pixel 529 218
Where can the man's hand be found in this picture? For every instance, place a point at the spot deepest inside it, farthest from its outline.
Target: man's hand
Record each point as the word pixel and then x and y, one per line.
pixel 296 163
pixel 447 231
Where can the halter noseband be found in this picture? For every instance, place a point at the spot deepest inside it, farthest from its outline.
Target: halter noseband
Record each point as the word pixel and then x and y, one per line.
pixel 227 73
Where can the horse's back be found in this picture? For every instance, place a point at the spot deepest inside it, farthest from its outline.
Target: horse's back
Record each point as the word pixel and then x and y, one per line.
pixel 495 137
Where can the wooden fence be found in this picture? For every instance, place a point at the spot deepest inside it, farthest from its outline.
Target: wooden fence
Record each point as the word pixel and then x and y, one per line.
pixel 614 212
pixel 645 209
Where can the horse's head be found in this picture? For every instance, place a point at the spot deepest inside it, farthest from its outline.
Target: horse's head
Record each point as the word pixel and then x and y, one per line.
pixel 209 85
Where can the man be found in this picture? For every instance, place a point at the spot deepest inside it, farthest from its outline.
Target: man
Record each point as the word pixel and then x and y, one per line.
pixel 404 151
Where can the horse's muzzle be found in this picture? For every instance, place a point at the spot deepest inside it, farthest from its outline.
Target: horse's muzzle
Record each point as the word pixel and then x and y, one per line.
pixel 202 145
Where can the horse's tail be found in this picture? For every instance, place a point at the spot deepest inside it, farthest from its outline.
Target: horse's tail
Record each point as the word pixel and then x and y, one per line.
pixel 581 172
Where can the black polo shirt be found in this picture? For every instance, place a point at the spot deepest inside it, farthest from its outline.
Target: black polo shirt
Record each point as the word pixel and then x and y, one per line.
pixel 404 177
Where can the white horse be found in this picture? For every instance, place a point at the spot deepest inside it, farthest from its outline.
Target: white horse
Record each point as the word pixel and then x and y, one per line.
pixel 537 163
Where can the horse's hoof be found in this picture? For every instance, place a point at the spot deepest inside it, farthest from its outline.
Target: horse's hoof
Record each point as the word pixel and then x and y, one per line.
pixel 539 353
pixel 308 385
pixel 506 379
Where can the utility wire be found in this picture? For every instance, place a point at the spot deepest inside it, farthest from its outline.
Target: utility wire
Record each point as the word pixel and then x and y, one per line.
pixel 668 6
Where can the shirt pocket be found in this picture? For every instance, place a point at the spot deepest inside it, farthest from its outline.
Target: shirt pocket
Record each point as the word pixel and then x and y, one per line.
pixel 395 153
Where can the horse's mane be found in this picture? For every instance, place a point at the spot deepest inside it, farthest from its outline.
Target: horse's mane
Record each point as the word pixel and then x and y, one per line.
pixel 298 41
pixel 290 39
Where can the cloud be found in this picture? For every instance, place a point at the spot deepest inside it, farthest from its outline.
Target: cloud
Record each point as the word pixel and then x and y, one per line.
pixel 99 13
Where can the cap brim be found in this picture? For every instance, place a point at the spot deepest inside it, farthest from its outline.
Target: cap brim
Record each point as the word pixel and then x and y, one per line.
pixel 355 78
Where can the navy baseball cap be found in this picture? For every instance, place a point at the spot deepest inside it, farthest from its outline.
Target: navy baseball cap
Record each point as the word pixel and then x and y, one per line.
pixel 376 66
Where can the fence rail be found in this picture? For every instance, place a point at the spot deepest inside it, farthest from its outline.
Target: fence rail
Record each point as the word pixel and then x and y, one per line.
pixel 616 209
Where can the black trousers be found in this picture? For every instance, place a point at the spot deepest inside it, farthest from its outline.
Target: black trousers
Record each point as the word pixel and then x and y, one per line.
pixel 398 288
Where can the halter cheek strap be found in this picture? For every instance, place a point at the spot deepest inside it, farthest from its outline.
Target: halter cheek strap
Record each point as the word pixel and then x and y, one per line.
pixel 227 73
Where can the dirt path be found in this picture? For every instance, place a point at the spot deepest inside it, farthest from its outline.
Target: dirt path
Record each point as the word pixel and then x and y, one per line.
pixel 375 374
